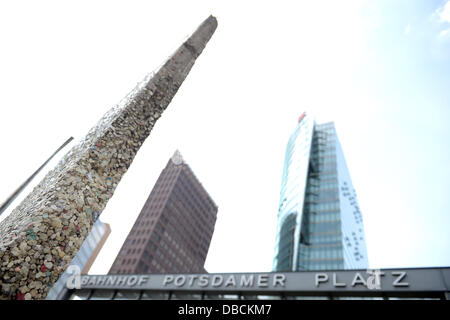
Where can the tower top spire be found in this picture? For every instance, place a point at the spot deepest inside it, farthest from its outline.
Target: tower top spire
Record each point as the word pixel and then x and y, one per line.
pixel 177 158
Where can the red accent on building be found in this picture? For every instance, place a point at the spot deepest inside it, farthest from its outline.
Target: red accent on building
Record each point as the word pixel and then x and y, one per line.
pixel 301 117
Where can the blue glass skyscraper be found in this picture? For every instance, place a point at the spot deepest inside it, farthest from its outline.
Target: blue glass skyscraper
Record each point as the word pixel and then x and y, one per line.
pixel 320 224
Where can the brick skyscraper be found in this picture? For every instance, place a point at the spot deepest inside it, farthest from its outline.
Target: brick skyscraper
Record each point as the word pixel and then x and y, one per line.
pixel 174 229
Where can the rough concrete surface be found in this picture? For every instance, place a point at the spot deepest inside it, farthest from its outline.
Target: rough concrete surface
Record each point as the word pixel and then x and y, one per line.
pixel 41 236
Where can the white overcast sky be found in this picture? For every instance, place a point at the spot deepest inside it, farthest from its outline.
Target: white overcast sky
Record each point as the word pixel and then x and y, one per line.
pixel 379 69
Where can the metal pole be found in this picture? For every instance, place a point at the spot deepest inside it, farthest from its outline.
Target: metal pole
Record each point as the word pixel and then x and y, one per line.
pixel 13 196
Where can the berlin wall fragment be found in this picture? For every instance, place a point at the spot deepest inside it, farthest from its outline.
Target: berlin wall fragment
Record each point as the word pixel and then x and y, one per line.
pixel 41 236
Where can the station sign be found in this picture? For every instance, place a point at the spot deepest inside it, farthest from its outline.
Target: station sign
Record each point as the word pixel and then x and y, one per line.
pixel 426 279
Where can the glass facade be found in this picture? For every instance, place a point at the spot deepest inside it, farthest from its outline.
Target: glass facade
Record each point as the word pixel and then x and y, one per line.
pixel 319 221
pixel 292 195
